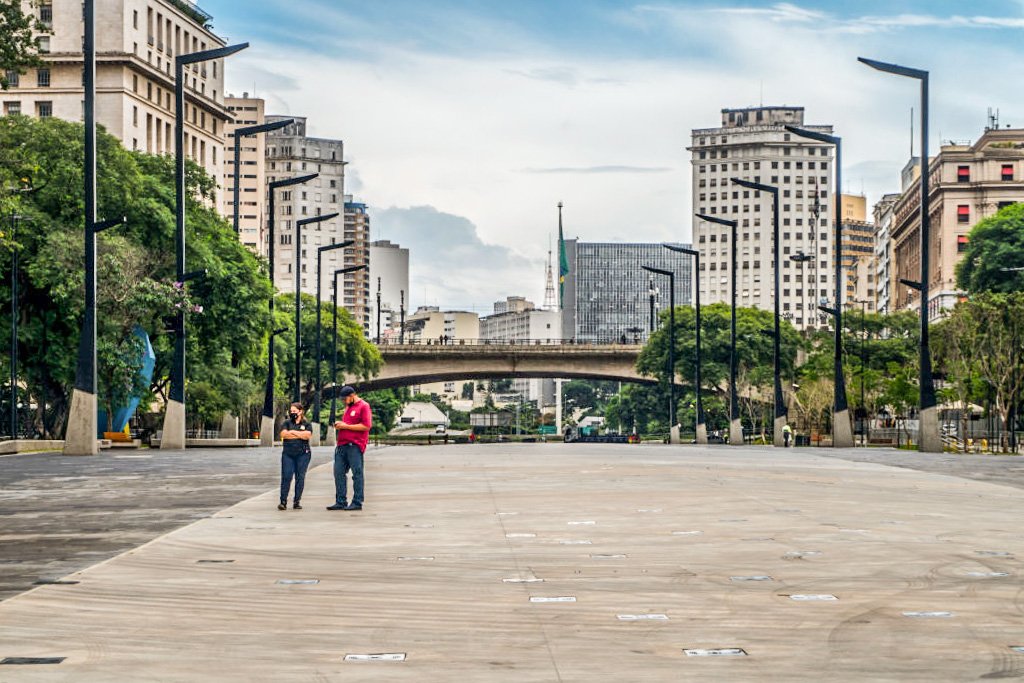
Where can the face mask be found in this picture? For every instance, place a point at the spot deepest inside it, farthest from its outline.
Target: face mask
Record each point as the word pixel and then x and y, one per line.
pixel 295 416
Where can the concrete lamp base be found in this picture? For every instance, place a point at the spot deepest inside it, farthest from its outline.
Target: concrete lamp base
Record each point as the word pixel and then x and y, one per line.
pixel 80 438
pixel 314 440
pixel 673 434
pixel 736 433
pixel 929 440
pixel 173 437
pixel 332 436
pixel 266 431
pixel 702 433
pixel 842 429
pixel 777 439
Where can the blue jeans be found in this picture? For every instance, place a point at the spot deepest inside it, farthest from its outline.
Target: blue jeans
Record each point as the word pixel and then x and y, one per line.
pixel 347 457
pixel 293 466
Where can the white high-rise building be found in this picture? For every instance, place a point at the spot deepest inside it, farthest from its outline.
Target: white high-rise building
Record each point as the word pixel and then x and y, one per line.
pixel 252 187
pixel 389 276
pixel 752 144
pixel 291 153
pixel 517 320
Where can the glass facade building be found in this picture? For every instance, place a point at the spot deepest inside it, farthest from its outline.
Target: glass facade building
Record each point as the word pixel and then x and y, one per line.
pixel 607 293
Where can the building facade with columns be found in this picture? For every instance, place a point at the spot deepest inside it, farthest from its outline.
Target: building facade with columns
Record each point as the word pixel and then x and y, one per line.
pixel 136 43
pixel 967 183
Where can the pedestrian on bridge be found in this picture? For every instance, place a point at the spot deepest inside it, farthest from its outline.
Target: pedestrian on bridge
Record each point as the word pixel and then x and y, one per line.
pixel 295 455
pixel 353 437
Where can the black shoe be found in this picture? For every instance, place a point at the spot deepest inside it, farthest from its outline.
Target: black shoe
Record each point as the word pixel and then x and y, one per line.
pixel 296 505
pixel 353 506
pixel 282 505
pixel 337 506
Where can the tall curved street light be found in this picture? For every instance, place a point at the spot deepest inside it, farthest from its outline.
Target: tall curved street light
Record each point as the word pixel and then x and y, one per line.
pixel 929 439
pixel 780 401
pixel 735 423
pixel 701 429
pixel 673 429
pixel 332 437
pixel 842 425
pixel 299 225
pixel 243 133
pixel 267 417
pixel 319 385
pixel 174 417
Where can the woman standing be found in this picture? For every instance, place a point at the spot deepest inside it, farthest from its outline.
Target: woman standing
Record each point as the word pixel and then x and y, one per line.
pixel 295 455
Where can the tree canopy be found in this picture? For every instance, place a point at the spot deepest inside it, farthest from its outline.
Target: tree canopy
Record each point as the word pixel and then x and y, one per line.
pixel 994 258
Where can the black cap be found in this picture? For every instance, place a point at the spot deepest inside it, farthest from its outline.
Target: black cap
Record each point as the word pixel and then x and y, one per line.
pixel 346 391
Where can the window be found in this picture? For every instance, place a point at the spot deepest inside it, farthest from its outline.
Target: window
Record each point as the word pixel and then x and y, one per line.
pixel 44 109
pixel 46 14
pixel 961 243
pixel 12 108
pixel 12 78
pixel 43 78
pixel 963 174
pixel 44 45
pixel 963 213
pixel 1007 172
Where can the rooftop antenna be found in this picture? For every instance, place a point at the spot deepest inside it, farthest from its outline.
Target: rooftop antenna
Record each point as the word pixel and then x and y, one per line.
pixel 550 298
pixel 911 132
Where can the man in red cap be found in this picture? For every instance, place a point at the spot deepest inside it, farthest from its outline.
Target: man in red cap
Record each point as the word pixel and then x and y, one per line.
pixel 353 436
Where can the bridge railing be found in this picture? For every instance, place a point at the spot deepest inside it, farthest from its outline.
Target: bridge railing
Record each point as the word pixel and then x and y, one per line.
pixel 618 341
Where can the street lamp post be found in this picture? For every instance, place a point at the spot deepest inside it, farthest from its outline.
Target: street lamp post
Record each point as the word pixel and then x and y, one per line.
pixel 802 258
pixel 780 402
pixel 331 434
pixel 401 318
pixel 299 225
pixel 735 423
pixel 246 132
pixel 673 428
pixel 15 219
pixel 174 416
pixel 929 439
pixel 267 417
pixel 652 292
pixel 378 312
pixel 319 385
pixel 701 428
pixel 82 430
pixel 842 427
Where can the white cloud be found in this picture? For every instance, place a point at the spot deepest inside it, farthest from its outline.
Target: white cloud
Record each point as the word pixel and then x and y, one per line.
pixel 498 137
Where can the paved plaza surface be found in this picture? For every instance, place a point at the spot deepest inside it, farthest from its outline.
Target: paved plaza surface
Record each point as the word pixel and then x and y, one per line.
pixel 548 562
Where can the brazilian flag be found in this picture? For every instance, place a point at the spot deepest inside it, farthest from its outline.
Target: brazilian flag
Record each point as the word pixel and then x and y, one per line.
pixel 563 260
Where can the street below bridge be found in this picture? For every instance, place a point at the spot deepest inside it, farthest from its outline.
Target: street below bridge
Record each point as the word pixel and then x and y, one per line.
pixel 508 562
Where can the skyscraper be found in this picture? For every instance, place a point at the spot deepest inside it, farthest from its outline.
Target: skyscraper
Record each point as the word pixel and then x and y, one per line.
pixel 291 153
pixel 606 292
pixel 248 111
pixel 752 144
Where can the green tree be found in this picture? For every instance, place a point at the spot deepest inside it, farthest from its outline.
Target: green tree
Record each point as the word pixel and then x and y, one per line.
pixel 386 405
pixel 995 246
pixel 19 48
pixel 135 272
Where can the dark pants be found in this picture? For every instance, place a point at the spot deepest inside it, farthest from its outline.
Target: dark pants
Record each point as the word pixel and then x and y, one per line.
pixel 293 466
pixel 347 457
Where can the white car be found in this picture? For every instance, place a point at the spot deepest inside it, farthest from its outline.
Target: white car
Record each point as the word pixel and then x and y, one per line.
pixel 440 429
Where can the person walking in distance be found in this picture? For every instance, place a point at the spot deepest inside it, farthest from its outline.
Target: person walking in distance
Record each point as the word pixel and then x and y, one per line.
pixel 353 436
pixel 295 455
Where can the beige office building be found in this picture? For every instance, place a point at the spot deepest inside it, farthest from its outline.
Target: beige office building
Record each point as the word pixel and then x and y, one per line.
pixel 291 153
pixel 858 253
pixel 248 111
pixel 752 144
pixel 967 182
pixel 136 42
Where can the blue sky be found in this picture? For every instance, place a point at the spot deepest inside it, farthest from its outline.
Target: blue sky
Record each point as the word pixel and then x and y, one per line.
pixel 473 119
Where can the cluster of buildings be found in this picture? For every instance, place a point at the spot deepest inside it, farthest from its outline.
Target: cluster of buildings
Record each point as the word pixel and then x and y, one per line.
pixel 968 182
pixel 136 43
pixel 604 296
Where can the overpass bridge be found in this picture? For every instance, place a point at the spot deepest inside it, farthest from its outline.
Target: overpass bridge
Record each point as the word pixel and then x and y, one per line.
pixel 465 359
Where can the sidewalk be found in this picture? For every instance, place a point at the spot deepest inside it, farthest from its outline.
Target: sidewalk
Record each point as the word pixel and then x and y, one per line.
pixel 689 548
